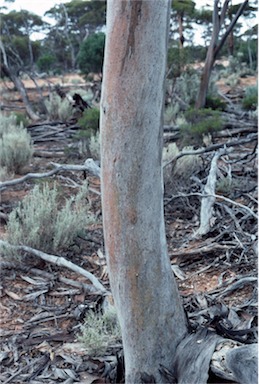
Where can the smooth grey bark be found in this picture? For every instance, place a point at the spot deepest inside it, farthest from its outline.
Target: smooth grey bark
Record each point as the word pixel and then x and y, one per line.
pixel 145 292
pixel 215 46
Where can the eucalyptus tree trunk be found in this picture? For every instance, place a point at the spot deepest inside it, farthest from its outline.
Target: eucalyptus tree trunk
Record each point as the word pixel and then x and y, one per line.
pixel 17 83
pixel 145 292
pixel 218 18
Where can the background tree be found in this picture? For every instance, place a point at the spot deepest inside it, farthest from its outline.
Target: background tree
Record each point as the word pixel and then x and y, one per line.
pixel 183 12
pixel 17 28
pixel 18 51
pixel 145 292
pixel 90 58
pixel 74 22
pixel 216 44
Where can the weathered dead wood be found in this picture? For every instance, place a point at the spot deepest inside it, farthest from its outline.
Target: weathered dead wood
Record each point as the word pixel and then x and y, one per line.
pixel 205 349
pixel 89 165
pixel 238 284
pixel 48 154
pixel 214 147
pixel 58 260
pixel 235 362
pixel 202 250
pixel 251 212
pixel 207 202
pixel 50 277
pixel 42 360
pixel 193 356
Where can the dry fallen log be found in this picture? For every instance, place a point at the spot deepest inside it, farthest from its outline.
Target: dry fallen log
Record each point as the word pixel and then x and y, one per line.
pixel 60 261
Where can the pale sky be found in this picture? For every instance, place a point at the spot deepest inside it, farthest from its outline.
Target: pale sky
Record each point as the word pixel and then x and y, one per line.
pixel 38 7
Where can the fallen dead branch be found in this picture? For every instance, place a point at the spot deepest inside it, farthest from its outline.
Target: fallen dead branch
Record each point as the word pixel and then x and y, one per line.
pixel 217 197
pixel 214 247
pixel 214 147
pixel 207 203
pixel 59 261
pixel 89 165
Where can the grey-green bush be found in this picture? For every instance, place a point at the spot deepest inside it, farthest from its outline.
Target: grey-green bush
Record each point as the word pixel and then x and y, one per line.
pixel 40 222
pixel 15 144
pixel 99 331
pixel 59 109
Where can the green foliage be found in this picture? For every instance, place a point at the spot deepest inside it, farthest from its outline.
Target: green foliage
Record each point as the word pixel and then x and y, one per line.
pixel 236 69
pixel 16 29
pixel 89 122
pixel 15 144
pixel 183 91
pixel 215 102
pixel 179 59
pixel 176 59
pixel 88 136
pixel 99 331
pixel 91 54
pixel 21 118
pixel 46 62
pixel 41 223
pixel 200 122
pixel 248 52
pixel 59 109
pixel 250 101
pixel 233 80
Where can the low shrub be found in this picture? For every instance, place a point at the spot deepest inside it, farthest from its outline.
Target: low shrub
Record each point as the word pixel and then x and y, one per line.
pixel 7 123
pixel 41 223
pixel 250 101
pixel 233 80
pixel 215 103
pixel 183 93
pixel 99 331
pixel 171 112
pixel 59 109
pixel 88 136
pixel 177 176
pixel 89 122
pixel 224 185
pixel 15 144
pixel 200 122
pixel 21 118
